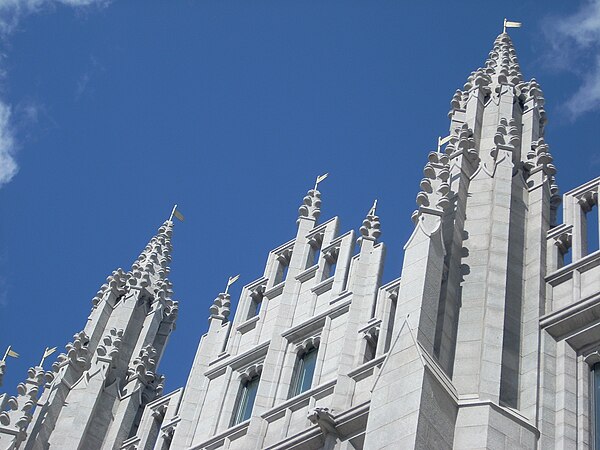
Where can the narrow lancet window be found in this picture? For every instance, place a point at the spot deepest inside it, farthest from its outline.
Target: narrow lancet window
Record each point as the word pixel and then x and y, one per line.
pixel 304 372
pixel 595 398
pixel 245 401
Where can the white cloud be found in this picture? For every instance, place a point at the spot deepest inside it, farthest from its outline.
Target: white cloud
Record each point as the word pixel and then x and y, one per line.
pixel 8 165
pixel 11 13
pixel 575 44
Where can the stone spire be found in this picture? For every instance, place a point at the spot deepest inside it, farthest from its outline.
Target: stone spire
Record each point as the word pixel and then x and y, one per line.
pixel 502 64
pixel 434 187
pixel 114 357
pixel 152 266
pixel 220 308
pixel 311 205
pixel 371 227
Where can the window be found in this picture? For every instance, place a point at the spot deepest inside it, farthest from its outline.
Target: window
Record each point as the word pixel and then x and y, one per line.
pixel 256 298
pixel 595 397
pixel 370 348
pixel 331 258
pixel 304 372
pixel 245 401
pixel 283 263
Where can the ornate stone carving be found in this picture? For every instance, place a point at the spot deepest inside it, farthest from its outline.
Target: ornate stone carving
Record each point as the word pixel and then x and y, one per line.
pixel 308 344
pixel 20 408
pixel 507 134
pixel 220 308
pixel 311 205
pixel 564 242
pixel 77 353
pixel 502 64
pixel 371 226
pixel 143 365
pixel 588 200
pixel 110 344
pixel 285 256
pixel 501 68
pixel 324 419
pixel 250 372
pixel 153 263
pixel 435 187
pixel 372 334
pixel 115 283
pixel 462 142
pixel 532 91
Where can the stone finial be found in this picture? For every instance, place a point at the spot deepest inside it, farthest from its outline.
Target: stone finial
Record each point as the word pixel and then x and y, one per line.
pixel 2 371
pixel 435 187
pixel 502 64
pixel 77 353
pixel 220 308
pixel 153 263
pixel 311 205
pixel 20 408
pixel 115 283
pixel 531 96
pixel 371 227
pixel 143 365
pixel 501 68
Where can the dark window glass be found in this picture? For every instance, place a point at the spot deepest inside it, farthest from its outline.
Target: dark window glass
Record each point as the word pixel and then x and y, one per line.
pixel 305 370
pixel 245 402
pixel 370 349
pixel 596 404
pixel 254 307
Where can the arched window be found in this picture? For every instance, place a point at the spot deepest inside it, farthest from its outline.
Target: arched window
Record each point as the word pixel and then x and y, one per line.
pixel 245 400
pixel 304 371
pixel 595 397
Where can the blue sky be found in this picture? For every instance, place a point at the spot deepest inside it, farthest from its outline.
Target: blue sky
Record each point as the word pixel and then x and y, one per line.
pixel 113 111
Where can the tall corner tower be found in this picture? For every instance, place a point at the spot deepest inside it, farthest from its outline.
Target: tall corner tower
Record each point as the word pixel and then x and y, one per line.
pixel 472 287
pixel 97 390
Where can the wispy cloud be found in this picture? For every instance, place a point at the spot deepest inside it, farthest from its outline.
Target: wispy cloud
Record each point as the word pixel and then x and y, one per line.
pixel 11 13
pixel 91 71
pixel 575 47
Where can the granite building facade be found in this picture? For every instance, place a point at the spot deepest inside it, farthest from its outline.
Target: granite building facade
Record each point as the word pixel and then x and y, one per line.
pixel 488 339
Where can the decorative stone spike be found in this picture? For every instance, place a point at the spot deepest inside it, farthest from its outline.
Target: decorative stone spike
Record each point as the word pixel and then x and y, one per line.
pixel 77 353
pixel 311 205
pixel 220 308
pixel 435 184
pixel 115 283
pixel 539 157
pixel 21 407
pixel 501 68
pixel 143 365
pixel 152 266
pixel 371 227
pixel 502 63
